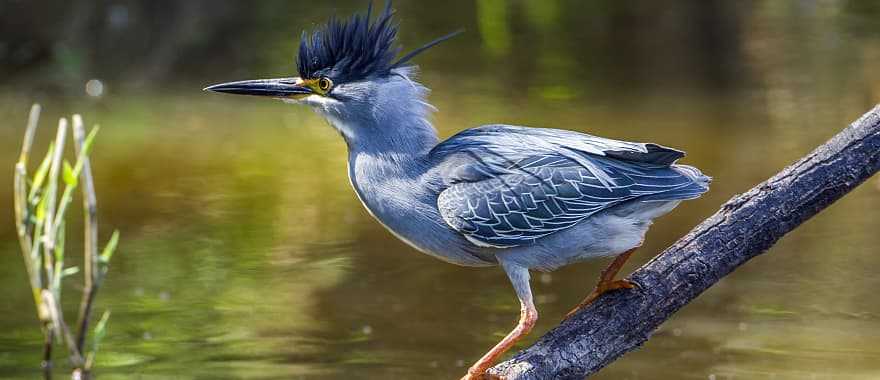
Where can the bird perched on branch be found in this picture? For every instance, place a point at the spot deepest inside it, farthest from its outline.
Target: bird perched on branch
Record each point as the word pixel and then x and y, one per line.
pixel 521 198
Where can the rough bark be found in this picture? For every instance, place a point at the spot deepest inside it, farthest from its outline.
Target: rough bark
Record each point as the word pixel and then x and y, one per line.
pixel 746 226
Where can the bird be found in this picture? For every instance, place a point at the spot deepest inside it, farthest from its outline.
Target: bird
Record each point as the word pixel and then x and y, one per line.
pixel 525 199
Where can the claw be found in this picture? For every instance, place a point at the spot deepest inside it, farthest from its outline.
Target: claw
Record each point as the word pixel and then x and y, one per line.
pixel 606 282
pixel 601 288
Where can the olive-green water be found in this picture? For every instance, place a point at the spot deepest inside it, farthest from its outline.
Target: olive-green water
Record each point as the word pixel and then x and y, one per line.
pixel 245 253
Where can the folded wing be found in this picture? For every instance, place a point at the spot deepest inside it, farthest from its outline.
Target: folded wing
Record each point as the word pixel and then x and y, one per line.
pixel 507 186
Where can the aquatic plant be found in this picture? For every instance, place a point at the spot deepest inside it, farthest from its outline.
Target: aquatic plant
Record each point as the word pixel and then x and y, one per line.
pixel 40 213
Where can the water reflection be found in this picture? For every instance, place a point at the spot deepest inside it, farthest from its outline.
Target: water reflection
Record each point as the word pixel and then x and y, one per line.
pixel 245 253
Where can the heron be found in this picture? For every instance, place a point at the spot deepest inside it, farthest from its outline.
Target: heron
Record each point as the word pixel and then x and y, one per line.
pixel 525 199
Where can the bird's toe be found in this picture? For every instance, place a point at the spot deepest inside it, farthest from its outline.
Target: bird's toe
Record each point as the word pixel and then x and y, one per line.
pixel 621 284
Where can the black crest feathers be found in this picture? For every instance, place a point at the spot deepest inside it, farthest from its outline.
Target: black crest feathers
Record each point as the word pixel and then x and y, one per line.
pixel 354 49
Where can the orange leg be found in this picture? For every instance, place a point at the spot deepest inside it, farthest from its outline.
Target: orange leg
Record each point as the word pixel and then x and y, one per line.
pixel 527 317
pixel 519 278
pixel 607 282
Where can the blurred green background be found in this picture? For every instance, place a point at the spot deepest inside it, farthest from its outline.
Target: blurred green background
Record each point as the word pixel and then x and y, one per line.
pixel 245 254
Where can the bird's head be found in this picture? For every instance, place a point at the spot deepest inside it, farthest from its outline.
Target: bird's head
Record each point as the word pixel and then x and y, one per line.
pixel 348 70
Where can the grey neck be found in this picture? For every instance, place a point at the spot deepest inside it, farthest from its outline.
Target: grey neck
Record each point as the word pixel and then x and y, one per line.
pixel 396 132
pixel 384 117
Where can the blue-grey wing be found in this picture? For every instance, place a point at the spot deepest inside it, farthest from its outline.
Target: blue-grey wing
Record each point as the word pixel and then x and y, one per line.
pixel 522 206
pixel 502 195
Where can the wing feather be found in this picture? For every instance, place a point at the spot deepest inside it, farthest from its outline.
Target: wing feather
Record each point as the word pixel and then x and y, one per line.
pixel 507 186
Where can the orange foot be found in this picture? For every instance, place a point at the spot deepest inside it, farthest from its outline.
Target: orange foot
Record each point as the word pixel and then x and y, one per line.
pixel 601 288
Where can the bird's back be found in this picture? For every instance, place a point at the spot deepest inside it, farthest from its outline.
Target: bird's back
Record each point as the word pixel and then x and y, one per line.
pixel 506 186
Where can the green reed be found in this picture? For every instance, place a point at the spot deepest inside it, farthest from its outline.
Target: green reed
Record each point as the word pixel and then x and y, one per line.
pixel 40 213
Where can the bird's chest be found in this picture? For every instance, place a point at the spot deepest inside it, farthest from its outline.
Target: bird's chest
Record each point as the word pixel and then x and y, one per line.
pixel 400 199
pixel 382 187
pixel 390 194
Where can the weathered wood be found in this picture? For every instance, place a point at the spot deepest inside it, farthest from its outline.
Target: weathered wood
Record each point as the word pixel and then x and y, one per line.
pixel 746 226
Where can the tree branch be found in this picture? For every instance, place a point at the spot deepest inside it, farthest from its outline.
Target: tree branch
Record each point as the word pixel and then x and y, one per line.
pixel 744 227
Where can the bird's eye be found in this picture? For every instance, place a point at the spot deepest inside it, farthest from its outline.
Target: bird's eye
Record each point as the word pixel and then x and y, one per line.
pixel 324 84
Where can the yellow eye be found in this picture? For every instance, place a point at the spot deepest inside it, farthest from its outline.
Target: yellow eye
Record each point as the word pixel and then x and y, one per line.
pixel 324 84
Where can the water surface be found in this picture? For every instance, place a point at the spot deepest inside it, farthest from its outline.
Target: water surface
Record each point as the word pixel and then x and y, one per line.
pixel 245 254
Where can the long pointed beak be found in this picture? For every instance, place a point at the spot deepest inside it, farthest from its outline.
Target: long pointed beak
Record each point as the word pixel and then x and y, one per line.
pixel 279 87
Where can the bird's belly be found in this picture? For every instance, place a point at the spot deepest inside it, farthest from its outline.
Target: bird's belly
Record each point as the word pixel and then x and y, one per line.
pixel 435 241
pixel 605 234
